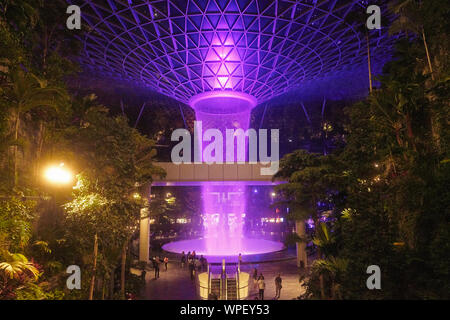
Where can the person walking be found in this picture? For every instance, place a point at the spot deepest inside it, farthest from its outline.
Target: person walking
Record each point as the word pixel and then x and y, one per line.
pixel 157 262
pixel 261 286
pixel 278 286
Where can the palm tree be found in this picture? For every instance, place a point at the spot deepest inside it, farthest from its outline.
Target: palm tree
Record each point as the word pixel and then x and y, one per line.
pixel 358 20
pixel 332 267
pixel 324 240
pixel 411 19
pixel 325 243
pixel 22 93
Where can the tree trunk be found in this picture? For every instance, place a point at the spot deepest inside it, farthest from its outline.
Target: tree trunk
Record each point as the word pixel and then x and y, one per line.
pixel 44 54
pixel 333 294
pixel 122 268
pixel 39 149
pixel 435 136
pixel 397 136
pixel 111 284
pixel 16 137
pixel 302 258
pixel 103 287
pixel 428 54
pixel 94 269
pixel 369 63
pixel 409 131
pixel 322 287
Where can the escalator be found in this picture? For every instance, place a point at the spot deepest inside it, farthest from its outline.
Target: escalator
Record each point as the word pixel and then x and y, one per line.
pixel 231 286
pixel 223 281
pixel 215 287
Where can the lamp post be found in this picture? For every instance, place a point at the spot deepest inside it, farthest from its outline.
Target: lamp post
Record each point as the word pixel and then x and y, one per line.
pixel 58 177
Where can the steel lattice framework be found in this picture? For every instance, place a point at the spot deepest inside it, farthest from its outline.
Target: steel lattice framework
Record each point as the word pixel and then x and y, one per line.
pixel 259 47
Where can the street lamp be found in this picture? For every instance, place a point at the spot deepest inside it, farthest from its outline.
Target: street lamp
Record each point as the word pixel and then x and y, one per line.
pixel 58 174
pixel 136 196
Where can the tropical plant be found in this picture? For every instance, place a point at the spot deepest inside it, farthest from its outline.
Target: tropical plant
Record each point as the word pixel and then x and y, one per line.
pixel 358 19
pixel 22 93
pixel 332 268
pixel 15 265
pixel 411 19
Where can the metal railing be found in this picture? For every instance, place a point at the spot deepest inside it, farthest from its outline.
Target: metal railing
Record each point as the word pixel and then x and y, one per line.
pixel 223 283
pixel 209 281
pixel 238 290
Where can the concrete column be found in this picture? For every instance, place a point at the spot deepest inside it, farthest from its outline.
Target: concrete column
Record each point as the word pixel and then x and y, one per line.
pixel 302 259
pixel 144 236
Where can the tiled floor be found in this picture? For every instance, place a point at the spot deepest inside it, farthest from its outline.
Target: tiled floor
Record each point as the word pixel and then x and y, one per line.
pixel 175 283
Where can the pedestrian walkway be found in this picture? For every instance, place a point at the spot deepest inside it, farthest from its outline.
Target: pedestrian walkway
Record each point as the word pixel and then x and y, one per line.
pixel 289 274
pixel 175 283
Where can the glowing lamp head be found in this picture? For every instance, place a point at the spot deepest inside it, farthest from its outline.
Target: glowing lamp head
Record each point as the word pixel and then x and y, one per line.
pixel 136 196
pixel 58 174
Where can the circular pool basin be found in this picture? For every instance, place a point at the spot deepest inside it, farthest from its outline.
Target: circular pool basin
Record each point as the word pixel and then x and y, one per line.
pixel 247 246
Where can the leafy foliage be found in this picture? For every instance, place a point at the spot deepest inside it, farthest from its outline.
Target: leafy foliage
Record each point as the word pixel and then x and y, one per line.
pixel 386 186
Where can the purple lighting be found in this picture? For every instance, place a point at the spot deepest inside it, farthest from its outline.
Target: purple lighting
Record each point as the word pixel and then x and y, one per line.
pixel 224 110
pixel 224 207
pixel 263 48
pixel 224 210
pixel 222 58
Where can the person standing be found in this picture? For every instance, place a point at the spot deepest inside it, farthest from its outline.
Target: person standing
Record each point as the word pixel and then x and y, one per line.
pixel 157 262
pixel 278 286
pixel 240 259
pixel 202 263
pixel 255 278
pixel 183 259
pixel 166 261
pixel 198 265
pixel 205 265
pixel 143 273
pixel 191 268
pixel 261 286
